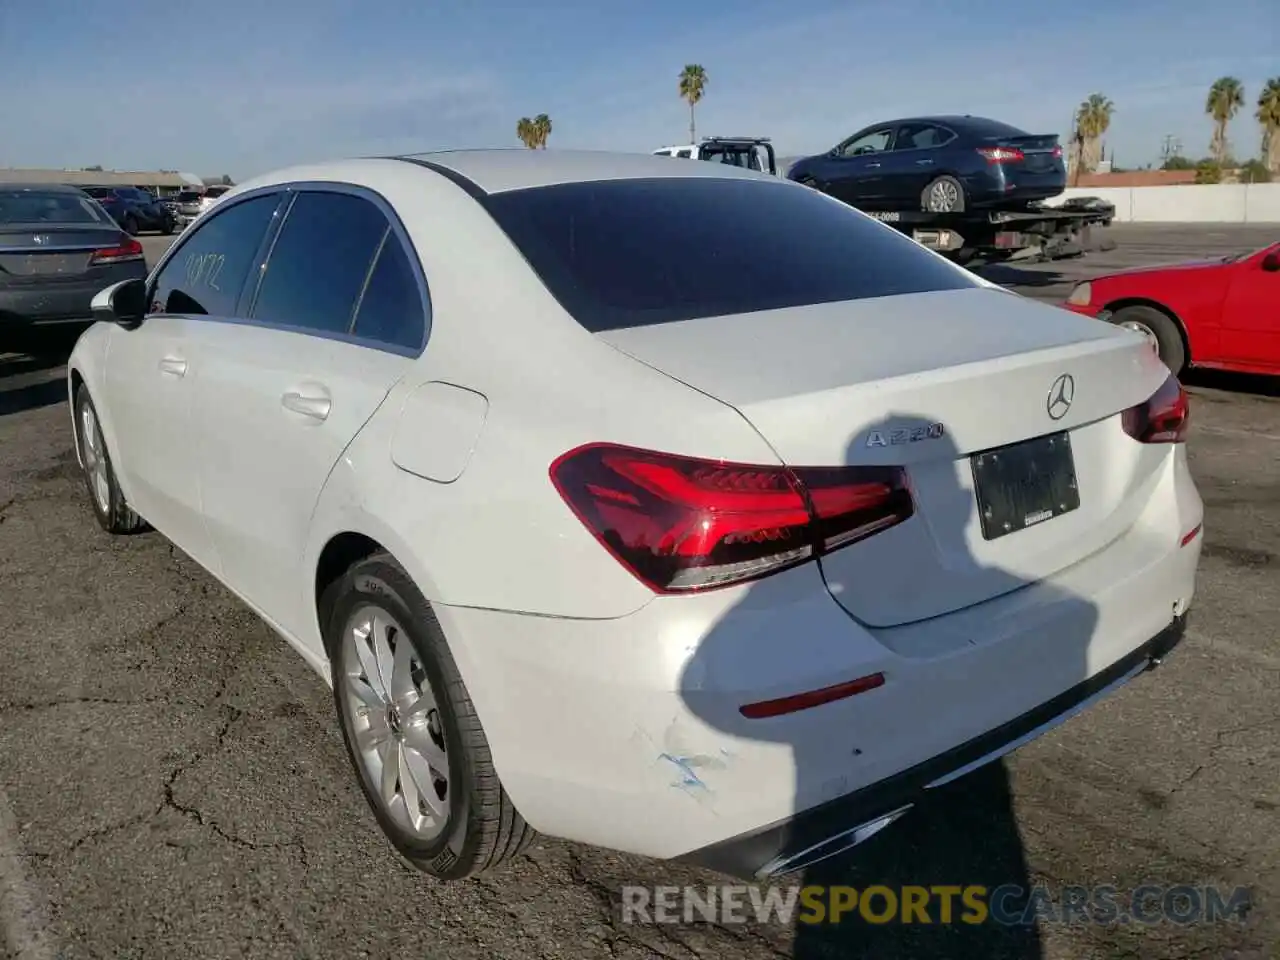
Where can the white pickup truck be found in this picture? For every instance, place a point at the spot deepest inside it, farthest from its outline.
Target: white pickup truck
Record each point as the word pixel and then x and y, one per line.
pixel 753 153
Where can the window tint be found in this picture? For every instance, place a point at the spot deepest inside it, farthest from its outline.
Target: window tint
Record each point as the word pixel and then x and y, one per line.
pixel 627 253
pixel 31 206
pixel 319 262
pixel 391 309
pixel 920 136
pixel 207 273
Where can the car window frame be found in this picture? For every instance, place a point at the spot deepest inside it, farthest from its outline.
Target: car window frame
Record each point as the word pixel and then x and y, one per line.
pixel 255 264
pixel 249 299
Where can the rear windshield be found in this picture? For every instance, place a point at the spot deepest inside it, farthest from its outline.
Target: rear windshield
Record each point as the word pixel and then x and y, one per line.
pixel 34 206
pixel 188 196
pixel 628 253
pixel 99 192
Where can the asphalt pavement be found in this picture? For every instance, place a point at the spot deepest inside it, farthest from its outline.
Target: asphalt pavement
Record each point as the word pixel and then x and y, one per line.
pixel 173 783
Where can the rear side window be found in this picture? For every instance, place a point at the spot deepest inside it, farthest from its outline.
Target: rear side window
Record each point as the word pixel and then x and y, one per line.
pixel 208 272
pixel 319 262
pixel 628 253
pixel 391 311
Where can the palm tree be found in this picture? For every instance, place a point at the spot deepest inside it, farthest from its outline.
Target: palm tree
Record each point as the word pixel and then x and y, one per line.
pixel 542 129
pixel 1226 96
pixel 1269 116
pixel 1093 119
pixel 527 133
pixel 693 84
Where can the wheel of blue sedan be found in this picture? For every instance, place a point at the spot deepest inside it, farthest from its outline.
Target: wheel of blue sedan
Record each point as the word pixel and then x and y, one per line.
pixel 944 195
pixel 411 731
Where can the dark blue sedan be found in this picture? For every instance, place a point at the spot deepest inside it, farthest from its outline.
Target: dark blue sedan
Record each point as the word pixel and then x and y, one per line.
pixel 939 165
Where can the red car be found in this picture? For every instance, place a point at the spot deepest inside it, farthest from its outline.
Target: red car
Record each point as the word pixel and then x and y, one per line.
pixel 1223 313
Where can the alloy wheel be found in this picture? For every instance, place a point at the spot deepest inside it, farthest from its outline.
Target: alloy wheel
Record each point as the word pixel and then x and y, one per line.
pixel 395 722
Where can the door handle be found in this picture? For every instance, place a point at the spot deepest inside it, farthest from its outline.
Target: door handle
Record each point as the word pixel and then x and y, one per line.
pixel 317 408
pixel 872 165
pixel 924 163
pixel 173 366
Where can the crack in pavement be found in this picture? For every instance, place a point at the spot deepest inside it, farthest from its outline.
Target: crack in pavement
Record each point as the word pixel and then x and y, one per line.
pixel 1219 743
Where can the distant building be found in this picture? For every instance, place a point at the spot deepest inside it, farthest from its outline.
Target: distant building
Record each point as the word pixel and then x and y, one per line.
pixel 162 182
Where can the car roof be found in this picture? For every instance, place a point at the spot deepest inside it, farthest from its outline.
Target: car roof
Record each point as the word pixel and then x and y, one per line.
pixel 41 187
pixel 497 171
pixel 482 172
pixel 962 122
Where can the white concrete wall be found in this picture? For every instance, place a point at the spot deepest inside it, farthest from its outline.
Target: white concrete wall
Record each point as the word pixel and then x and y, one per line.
pixel 1216 203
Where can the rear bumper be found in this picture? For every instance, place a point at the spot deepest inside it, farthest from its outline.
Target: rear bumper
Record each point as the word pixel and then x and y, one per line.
pixel 836 826
pixel 62 303
pixel 628 733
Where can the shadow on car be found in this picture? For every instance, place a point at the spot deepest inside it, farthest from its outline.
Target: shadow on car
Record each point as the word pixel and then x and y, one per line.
pixel 961 831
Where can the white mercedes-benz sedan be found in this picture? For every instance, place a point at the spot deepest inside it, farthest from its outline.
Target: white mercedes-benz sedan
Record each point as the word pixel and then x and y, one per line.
pixel 670 508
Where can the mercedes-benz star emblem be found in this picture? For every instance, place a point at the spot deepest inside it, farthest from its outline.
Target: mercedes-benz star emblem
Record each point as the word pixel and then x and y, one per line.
pixel 1061 394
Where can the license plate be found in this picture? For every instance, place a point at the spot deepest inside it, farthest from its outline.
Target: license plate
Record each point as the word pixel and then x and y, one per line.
pixel 48 264
pixel 1024 484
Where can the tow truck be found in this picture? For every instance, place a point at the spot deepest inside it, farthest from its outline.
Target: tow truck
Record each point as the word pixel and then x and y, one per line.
pixel 752 153
pixel 1030 234
pixel 1035 233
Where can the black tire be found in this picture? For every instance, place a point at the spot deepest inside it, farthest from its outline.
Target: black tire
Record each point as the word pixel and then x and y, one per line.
pixel 1173 353
pixel 928 201
pixel 130 226
pixel 168 227
pixel 115 516
pixel 483 829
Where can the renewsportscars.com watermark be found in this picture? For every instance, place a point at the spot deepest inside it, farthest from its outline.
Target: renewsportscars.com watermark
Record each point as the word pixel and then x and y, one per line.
pixel 1008 905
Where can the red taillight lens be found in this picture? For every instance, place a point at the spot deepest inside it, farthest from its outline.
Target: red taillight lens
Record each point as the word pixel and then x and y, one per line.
pixel 1163 418
pixel 1001 154
pixel 682 524
pixel 1057 151
pixel 128 249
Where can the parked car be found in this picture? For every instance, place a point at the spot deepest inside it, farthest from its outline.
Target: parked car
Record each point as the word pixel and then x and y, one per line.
pixel 1222 313
pixel 603 527
pixel 939 165
pixel 189 204
pixel 135 210
pixel 753 153
pixel 57 250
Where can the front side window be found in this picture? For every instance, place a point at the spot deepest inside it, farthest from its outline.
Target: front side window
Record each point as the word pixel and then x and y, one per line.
pixel 629 253
pixel 874 142
pixel 207 273
pixel 320 261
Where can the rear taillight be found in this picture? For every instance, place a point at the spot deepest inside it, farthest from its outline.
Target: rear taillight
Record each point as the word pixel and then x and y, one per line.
pixel 682 524
pixel 1001 154
pixel 1057 151
pixel 1163 418
pixel 129 249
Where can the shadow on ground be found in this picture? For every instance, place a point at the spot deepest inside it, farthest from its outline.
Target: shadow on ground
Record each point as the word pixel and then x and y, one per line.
pixel 30 377
pixel 1256 384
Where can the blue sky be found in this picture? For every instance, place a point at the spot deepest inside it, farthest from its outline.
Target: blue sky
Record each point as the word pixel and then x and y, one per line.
pixel 240 87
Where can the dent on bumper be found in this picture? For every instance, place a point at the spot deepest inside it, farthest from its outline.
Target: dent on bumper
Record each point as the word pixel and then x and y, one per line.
pixel 838 825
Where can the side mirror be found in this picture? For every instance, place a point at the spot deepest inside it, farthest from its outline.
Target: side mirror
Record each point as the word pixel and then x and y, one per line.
pixel 124 303
pixel 1271 262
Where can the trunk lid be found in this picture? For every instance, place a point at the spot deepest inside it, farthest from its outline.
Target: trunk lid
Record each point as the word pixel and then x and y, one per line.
pixel 50 253
pixel 1041 152
pixel 868 382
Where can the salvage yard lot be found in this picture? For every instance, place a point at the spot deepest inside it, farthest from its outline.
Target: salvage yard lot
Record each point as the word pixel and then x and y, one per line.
pixel 173 784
